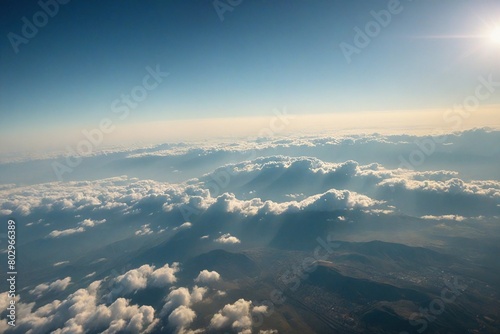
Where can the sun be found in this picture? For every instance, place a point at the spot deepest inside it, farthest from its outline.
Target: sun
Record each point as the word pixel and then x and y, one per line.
pixel 495 35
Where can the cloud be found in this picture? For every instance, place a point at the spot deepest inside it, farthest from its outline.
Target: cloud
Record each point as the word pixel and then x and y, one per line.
pixel 227 239
pixel 182 296
pixel 181 318
pixel 236 316
pixel 85 311
pixel 260 187
pixel 333 200
pixel 347 185
pixel 135 279
pixel 221 293
pixel 206 276
pixel 184 226
pixel 56 286
pixel 87 223
pixel 113 194
pixel 90 275
pixel 5 212
pixel 142 277
pixel 144 230
pixel 444 217
pixel 165 275
pixel 63 233
pixel 60 263
pixel 324 185
pixel 92 223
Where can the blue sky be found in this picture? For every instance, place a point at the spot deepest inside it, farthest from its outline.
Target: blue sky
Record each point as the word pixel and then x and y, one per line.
pixel 263 55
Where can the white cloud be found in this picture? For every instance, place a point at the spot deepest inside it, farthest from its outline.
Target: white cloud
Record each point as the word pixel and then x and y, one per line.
pixel 60 263
pixel 260 309
pixel 102 259
pixel 91 223
pixel 144 276
pixel 56 286
pixel 83 311
pixel 206 276
pixel 90 275
pixel 181 318
pixel 182 296
pixel 125 194
pixel 236 316
pixel 135 279
pixel 184 226
pixel 82 227
pixel 117 193
pixel 144 230
pixel 63 233
pixel 444 217
pixel 221 293
pixel 165 275
pixel 227 239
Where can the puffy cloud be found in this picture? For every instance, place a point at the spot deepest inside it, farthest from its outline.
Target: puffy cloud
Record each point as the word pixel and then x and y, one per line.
pixel 221 293
pixel 443 197
pixel 144 230
pixel 176 297
pixel 117 193
pixel 206 276
pixel 82 312
pixel 333 200
pixel 347 185
pixel 227 239
pixel 191 198
pixel 144 276
pixel 236 316
pixel 92 223
pixel 56 286
pixel 181 318
pixel 260 187
pixel 165 275
pixel 135 279
pixel 182 296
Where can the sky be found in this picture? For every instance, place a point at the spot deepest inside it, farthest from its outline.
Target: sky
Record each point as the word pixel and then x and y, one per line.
pixel 236 61
pixel 160 160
